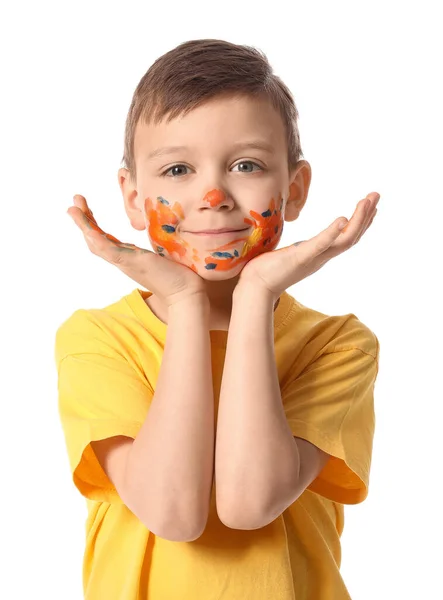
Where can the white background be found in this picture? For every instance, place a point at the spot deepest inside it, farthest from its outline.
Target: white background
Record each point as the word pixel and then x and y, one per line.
pixel 366 77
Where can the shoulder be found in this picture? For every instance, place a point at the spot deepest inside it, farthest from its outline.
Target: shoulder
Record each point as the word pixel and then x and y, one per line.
pixel 313 333
pixel 85 331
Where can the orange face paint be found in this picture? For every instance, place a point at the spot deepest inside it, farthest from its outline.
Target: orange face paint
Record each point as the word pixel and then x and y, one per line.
pixel 164 218
pixel 214 198
pixel 268 228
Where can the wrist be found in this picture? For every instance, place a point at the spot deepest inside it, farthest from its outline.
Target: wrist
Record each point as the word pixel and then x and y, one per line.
pixel 255 293
pixel 197 301
pixel 254 301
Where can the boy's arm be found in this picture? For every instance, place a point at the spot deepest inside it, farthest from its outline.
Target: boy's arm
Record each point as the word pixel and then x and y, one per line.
pixel 169 467
pixel 257 460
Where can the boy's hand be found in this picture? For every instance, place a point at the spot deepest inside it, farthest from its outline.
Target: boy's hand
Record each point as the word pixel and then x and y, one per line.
pixel 277 270
pixel 169 280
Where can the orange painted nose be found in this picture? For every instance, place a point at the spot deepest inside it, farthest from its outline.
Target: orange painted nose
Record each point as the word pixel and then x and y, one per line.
pixel 214 198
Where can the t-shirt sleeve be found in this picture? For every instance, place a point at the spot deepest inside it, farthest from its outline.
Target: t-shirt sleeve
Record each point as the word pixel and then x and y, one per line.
pixel 100 395
pixel 331 405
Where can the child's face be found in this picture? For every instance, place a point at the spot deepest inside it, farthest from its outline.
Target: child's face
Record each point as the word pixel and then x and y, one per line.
pixel 213 181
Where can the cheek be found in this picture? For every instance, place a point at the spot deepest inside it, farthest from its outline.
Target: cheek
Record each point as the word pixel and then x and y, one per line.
pixel 268 229
pixel 163 218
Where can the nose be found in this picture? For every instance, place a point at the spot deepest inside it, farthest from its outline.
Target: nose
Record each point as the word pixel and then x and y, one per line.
pixel 217 198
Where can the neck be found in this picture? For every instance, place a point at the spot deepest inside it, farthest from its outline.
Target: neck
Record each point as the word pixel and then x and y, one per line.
pixel 220 301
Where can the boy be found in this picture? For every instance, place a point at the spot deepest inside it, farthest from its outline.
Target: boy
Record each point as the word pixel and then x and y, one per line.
pixel 215 425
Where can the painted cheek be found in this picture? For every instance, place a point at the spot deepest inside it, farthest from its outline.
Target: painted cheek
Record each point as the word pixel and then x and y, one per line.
pixel 268 228
pixel 163 220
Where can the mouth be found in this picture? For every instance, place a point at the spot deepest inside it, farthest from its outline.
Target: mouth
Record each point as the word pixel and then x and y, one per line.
pixel 215 233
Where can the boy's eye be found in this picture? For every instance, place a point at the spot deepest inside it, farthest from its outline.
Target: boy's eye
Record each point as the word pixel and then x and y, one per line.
pixel 175 169
pixel 247 163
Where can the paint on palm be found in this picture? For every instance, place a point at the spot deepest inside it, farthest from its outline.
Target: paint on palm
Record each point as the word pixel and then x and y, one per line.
pixel 164 218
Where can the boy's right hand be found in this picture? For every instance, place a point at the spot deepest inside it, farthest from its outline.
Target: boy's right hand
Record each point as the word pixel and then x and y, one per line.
pixel 169 280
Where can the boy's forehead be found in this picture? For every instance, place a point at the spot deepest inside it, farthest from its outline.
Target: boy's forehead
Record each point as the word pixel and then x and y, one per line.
pixel 223 120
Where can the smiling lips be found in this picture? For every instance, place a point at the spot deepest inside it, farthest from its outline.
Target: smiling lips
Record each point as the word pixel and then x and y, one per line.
pixel 217 232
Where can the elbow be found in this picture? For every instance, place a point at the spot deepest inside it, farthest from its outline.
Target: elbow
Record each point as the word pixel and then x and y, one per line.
pixel 245 520
pixel 167 520
pixel 174 532
pixel 175 529
pixel 237 513
pixel 171 523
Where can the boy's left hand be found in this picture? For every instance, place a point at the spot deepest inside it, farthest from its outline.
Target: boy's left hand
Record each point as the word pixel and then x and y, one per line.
pixel 277 270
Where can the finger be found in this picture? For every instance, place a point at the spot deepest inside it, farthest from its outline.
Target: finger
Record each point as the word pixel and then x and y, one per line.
pixel 370 222
pixel 373 201
pixel 367 216
pixel 358 223
pixel 99 242
pixel 374 198
pixel 333 240
pixel 82 220
pixel 354 228
pixel 367 225
pixel 317 245
pixel 355 225
pixel 80 202
pixel 326 239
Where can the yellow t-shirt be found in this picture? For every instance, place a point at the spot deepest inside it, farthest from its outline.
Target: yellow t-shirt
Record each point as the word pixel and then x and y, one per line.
pixel 108 361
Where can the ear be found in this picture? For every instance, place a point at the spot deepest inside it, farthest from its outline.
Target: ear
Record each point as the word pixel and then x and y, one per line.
pixel 300 180
pixel 131 200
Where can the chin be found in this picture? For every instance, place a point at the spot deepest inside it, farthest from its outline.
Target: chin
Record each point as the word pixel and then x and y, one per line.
pixel 220 275
pixel 212 274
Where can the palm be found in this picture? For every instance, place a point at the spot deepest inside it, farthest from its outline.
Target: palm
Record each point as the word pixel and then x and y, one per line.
pixel 263 269
pixel 277 270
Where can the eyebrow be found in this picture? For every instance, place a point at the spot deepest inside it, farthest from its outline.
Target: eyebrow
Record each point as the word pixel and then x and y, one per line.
pixel 254 144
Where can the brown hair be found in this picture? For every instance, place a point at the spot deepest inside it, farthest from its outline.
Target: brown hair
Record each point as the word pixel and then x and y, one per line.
pixel 198 70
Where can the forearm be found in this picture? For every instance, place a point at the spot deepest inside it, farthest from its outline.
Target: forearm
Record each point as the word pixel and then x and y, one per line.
pixel 256 455
pixel 173 456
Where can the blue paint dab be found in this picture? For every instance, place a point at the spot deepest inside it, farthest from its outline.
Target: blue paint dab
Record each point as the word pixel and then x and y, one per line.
pixel 211 266
pixel 168 228
pixel 222 254
pixel 162 200
pixel 267 213
pixel 236 253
